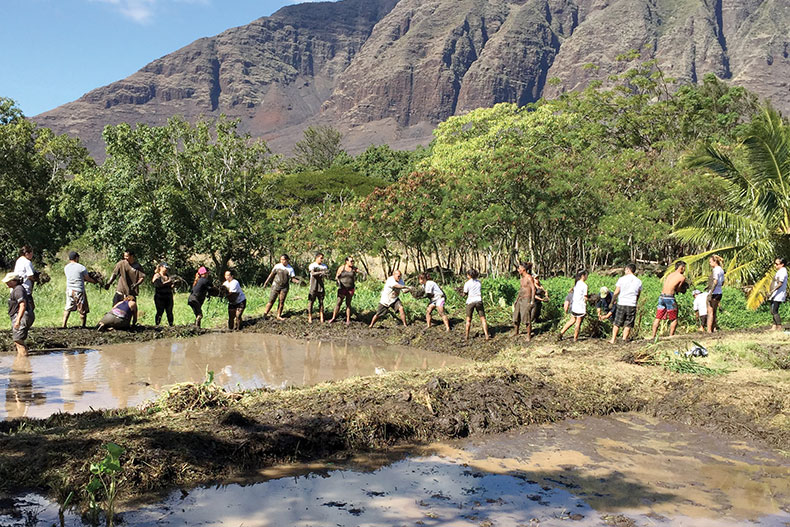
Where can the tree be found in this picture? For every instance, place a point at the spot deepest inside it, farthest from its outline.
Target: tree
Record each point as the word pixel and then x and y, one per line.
pixel 754 226
pixel 318 149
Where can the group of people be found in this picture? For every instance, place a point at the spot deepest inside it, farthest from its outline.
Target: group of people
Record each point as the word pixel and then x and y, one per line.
pixel 619 306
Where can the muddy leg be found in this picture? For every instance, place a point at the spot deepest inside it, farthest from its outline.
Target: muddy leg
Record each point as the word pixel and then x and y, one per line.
pixel 467 327
pixel 65 317
pixel 428 315
pixel 348 310
pixel 485 326
pixel 444 318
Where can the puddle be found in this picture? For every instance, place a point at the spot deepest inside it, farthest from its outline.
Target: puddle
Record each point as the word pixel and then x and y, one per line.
pixel 123 375
pixel 623 471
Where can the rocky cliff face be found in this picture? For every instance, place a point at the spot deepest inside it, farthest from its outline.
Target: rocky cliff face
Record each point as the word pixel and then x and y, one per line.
pixel 389 70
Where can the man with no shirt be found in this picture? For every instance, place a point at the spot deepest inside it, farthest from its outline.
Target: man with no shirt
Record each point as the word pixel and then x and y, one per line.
pixel 667 305
pixel 522 309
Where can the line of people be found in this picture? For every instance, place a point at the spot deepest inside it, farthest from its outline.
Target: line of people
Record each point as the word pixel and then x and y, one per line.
pixel 619 306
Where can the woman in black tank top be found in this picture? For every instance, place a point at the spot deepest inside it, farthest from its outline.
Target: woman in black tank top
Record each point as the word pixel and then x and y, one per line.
pixel 346 277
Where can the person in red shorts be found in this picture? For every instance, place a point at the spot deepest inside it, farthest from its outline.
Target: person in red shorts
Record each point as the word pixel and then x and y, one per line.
pixel 667 308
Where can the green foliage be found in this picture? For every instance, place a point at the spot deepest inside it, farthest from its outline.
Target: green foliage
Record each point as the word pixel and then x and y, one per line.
pixel 381 161
pixel 318 150
pixel 102 489
pixel 34 165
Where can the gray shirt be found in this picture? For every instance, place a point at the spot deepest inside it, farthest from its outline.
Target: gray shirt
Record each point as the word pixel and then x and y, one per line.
pixel 75 276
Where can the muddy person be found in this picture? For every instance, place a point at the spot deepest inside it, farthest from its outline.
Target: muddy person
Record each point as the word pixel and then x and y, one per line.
pixel 130 275
pixel 237 301
pixel 627 291
pixel 318 272
pixel 200 289
pixel 120 316
pixel 541 296
pixel 473 290
pixel 667 308
pixel 283 274
pixel 24 270
pixel 76 296
pixel 163 293
pixel 715 285
pixel 578 306
pixel 20 311
pixel 346 277
pixel 390 298
pixel 437 300
pixel 701 308
pixel 525 300
pixel 778 293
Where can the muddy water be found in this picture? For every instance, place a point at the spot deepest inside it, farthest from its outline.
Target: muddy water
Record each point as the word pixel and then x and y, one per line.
pixel 123 375
pixel 626 470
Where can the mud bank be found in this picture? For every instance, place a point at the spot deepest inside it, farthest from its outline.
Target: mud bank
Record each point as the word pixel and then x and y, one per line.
pixel 542 383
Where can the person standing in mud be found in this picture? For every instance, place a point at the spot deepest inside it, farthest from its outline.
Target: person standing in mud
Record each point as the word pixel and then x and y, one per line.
pixel 318 272
pixel 627 291
pixel 130 275
pixel 390 298
pixel 437 300
pixel 667 308
pixel 578 306
pixel 346 276
pixel 163 293
pixel 24 269
pixel 20 311
pixel 525 301
pixel 282 273
pixel 76 296
pixel 237 301
pixel 715 285
pixel 778 293
pixel 200 290
pixel 473 290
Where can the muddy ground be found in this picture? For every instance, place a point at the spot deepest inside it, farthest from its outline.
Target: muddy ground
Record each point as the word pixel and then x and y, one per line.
pixel 511 384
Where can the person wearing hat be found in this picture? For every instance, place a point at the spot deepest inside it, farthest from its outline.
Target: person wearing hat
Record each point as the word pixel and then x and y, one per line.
pixel 605 307
pixel 200 290
pixel 76 297
pixel 701 308
pixel 20 311
pixel 163 293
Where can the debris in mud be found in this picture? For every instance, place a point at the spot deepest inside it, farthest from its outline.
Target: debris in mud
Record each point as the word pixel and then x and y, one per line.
pixel 618 520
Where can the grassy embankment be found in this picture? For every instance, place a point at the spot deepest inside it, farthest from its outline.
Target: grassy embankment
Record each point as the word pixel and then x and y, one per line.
pixel 189 438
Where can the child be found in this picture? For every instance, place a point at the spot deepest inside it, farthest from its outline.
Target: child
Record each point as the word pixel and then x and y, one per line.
pixel 474 302
pixel 237 300
pixel 578 306
pixel 437 299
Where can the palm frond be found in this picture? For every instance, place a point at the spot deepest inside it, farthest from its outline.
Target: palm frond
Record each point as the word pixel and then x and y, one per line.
pixel 760 291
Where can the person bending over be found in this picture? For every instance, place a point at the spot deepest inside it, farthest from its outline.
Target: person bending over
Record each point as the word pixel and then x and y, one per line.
pixel 437 300
pixel 390 298
pixel 120 316
pixel 667 308
pixel 200 290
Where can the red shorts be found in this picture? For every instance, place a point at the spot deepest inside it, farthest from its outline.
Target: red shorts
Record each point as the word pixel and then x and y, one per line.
pixel 667 314
pixel 342 292
pixel 667 308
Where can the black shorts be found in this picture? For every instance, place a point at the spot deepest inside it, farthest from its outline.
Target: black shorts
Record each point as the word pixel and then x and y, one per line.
pixel 278 293
pixel 475 306
pixel 240 305
pixel 703 321
pixel 383 309
pixel 196 305
pixel 624 316
pixel 712 298
pixel 312 296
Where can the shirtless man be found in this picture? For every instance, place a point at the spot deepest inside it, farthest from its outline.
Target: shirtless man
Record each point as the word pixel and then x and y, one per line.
pixel 667 305
pixel 522 309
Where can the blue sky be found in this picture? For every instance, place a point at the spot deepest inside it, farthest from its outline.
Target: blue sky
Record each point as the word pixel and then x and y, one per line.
pixel 54 51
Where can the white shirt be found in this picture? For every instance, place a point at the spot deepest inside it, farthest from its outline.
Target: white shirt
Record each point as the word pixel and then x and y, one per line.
pixel 433 291
pixel 630 287
pixel 579 303
pixel 315 266
pixel 234 287
pixel 390 294
pixel 718 276
pixel 701 304
pixel 474 291
pixel 24 268
pixel 780 295
pixel 279 266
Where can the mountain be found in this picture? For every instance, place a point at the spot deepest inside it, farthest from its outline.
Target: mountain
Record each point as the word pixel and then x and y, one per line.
pixel 386 71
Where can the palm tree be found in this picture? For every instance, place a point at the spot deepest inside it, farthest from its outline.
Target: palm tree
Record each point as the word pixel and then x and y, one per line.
pixel 753 228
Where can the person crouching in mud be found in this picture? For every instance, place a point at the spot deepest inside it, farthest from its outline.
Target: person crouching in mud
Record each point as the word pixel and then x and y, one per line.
pixel 120 316
pixel 237 301
pixel 525 301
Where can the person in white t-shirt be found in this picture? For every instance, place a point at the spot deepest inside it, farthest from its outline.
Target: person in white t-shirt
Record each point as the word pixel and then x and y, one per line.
pixel 701 308
pixel 778 293
pixel 390 298
pixel 436 297
pixel 473 290
pixel 715 285
pixel 578 306
pixel 626 294
pixel 24 269
pixel 237 301
pixel 283 275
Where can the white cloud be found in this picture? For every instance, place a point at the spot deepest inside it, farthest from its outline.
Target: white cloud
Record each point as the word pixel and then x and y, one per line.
pixel 142 11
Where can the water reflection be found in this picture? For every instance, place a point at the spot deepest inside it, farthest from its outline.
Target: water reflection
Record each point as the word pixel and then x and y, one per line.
pixel 124 375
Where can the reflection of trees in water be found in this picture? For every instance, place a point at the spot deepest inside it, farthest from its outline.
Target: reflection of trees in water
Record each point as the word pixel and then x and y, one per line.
pixel 19 395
